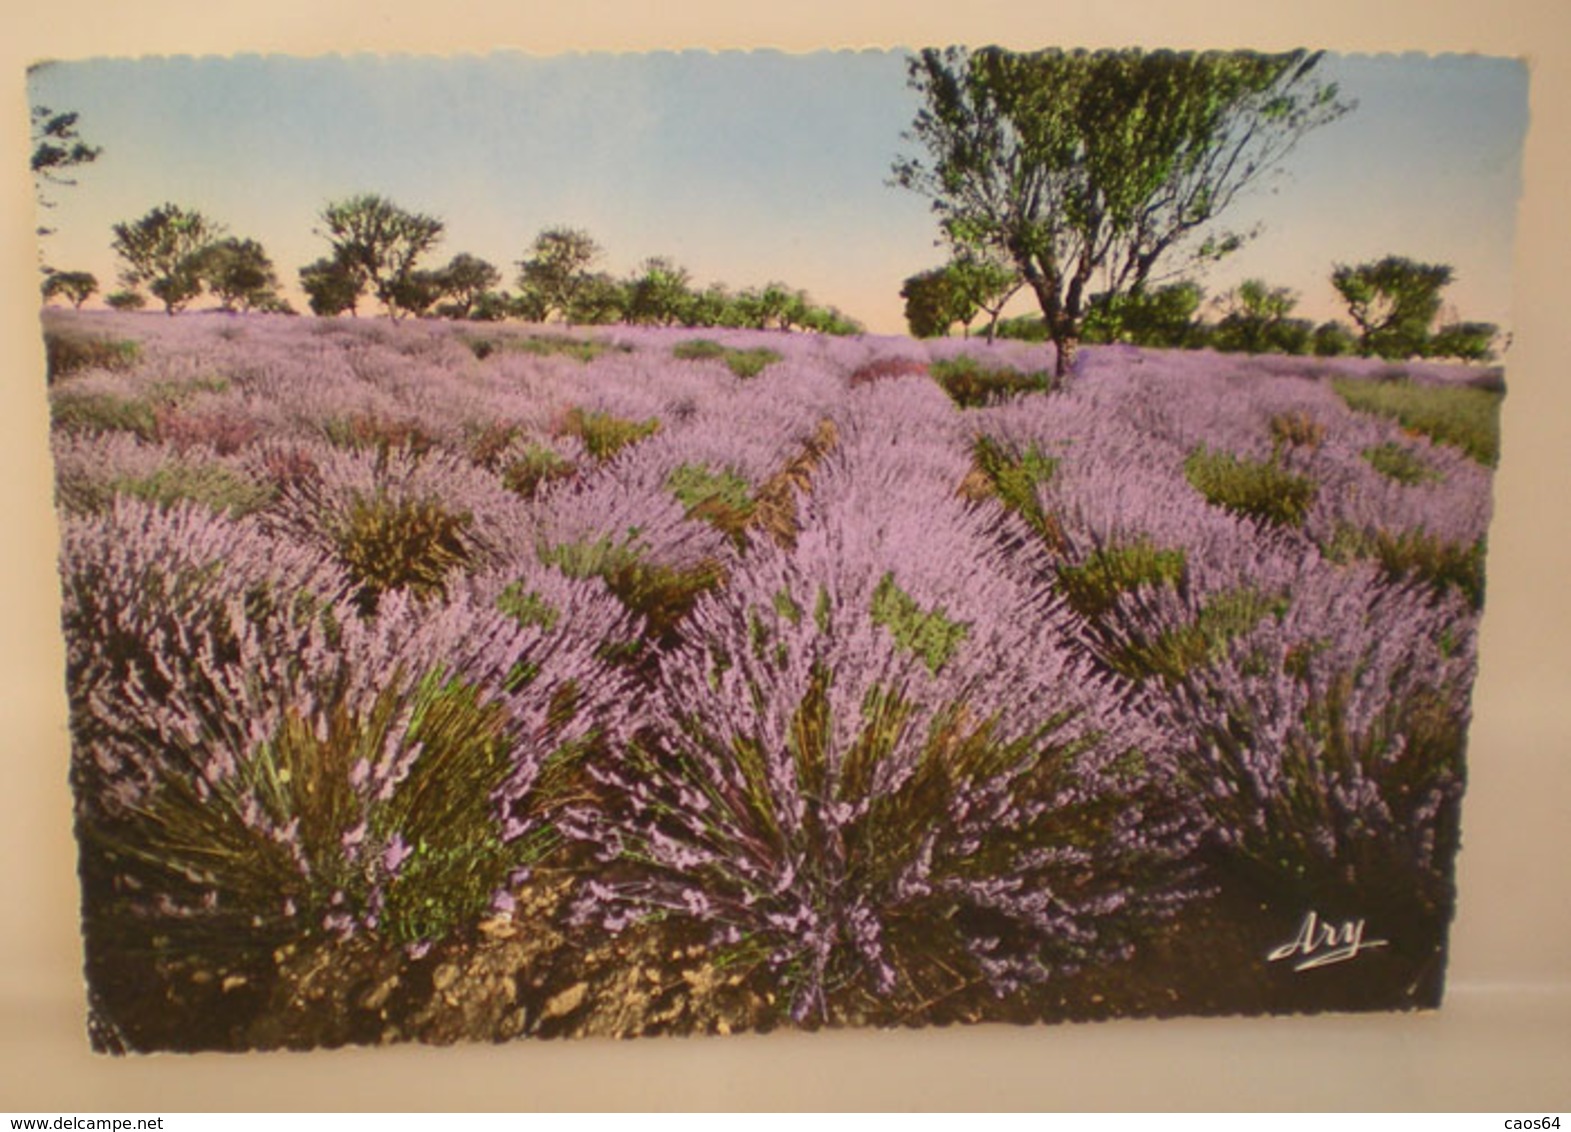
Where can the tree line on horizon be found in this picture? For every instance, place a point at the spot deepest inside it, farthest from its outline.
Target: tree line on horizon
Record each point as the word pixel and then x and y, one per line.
pixel 1088 179
pixel 378 249
pixel 1392 303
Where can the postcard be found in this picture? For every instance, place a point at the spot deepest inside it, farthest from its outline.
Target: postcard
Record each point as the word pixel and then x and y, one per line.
pixel 676 543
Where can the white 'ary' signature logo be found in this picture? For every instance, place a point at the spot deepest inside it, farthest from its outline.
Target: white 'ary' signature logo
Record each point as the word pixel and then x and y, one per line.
pixel 1320 943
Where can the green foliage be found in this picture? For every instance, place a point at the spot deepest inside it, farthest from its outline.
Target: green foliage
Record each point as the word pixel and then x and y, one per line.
pixel 527 607
pixel 371 432
pixel 1258 490
pixel 743 363
pixel 126 300
pixel 386 544
pixel 1394 461
pixel 933 304
pixel 1460 416
pixel 58 149
pixel 1333 340
pixel 605 435
pixel 1256 321
pixel 1023 328
pixel 970 384
pixel 1013 477
pixel 166 249
pixel 465 280
pixel 1393 301
pixel 937 299
pixel 1416 554
pixel 378 245
pixel 190 844
pixel 583 350
pixel 556 271
pixel 929 633
pixel 77 286
pixel 1073 165
pixel 240 273
pixel 722 499
pixel 1163 318
pixel 658 295
pixel 1092 587
pixel 73 411
pixel 662 595
pixel 331 286
pixel 67 351
pixel 1467 341
pixel 211 485
pixel 537 467
pixel 1173 653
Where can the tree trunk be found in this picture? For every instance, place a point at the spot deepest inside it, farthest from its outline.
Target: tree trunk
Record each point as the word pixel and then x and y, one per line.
pixel 1066 343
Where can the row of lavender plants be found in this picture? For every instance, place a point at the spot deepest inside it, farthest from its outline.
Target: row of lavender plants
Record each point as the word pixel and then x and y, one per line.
pixel 872 664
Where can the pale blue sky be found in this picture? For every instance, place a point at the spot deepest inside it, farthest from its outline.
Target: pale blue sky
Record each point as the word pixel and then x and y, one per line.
pixel 744 167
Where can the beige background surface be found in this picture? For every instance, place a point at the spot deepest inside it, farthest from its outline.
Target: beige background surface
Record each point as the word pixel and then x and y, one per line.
pixel 1503 1039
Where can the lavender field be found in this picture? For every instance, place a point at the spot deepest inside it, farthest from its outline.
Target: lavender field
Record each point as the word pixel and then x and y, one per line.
pixel 442 682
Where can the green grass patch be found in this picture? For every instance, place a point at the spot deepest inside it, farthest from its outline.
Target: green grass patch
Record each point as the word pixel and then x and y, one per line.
pixel 1410 555
pixel 663 595
pixel 1259 490
pixel 94 413
pixel 1092 587
pixel 970 384
pixel 722 499
pixel 1013 477
pixel 70 351
pixel 1398 463
pixel 211 485
pixel 542 346
pixel 1458 415
pixel 605 435
pixel 1172 654
pixel 930 633
pixel 527 607
pixel 743 363
pixel 538 466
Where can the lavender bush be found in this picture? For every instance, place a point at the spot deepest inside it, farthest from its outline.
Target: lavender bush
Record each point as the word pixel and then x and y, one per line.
pixel 773 670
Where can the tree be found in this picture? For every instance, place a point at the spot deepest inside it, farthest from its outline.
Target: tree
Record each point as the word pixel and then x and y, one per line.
pixel 987 284
pixel 1466 341
pixel 126 300
pixel 558 268
pixel 933 303
pixel 1088 170
pixel 1393 301
pixel 57 149
pixel 1256 321
pixel 167 249
pixel 465 280
pixel 1161 317
pixel 1333 340
pixel 78 286
pixel 379 244
pixel 331 287
pixel 659 293
pixel 241 275
pixel 596 299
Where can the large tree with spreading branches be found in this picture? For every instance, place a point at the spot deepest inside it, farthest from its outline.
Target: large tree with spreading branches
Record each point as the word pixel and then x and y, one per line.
pixel 1089 171
pixel 379 245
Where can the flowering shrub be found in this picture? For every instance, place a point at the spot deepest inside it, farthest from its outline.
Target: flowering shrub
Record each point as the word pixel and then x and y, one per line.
pixel 258 758
pixel 839 779
pixel 810 694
